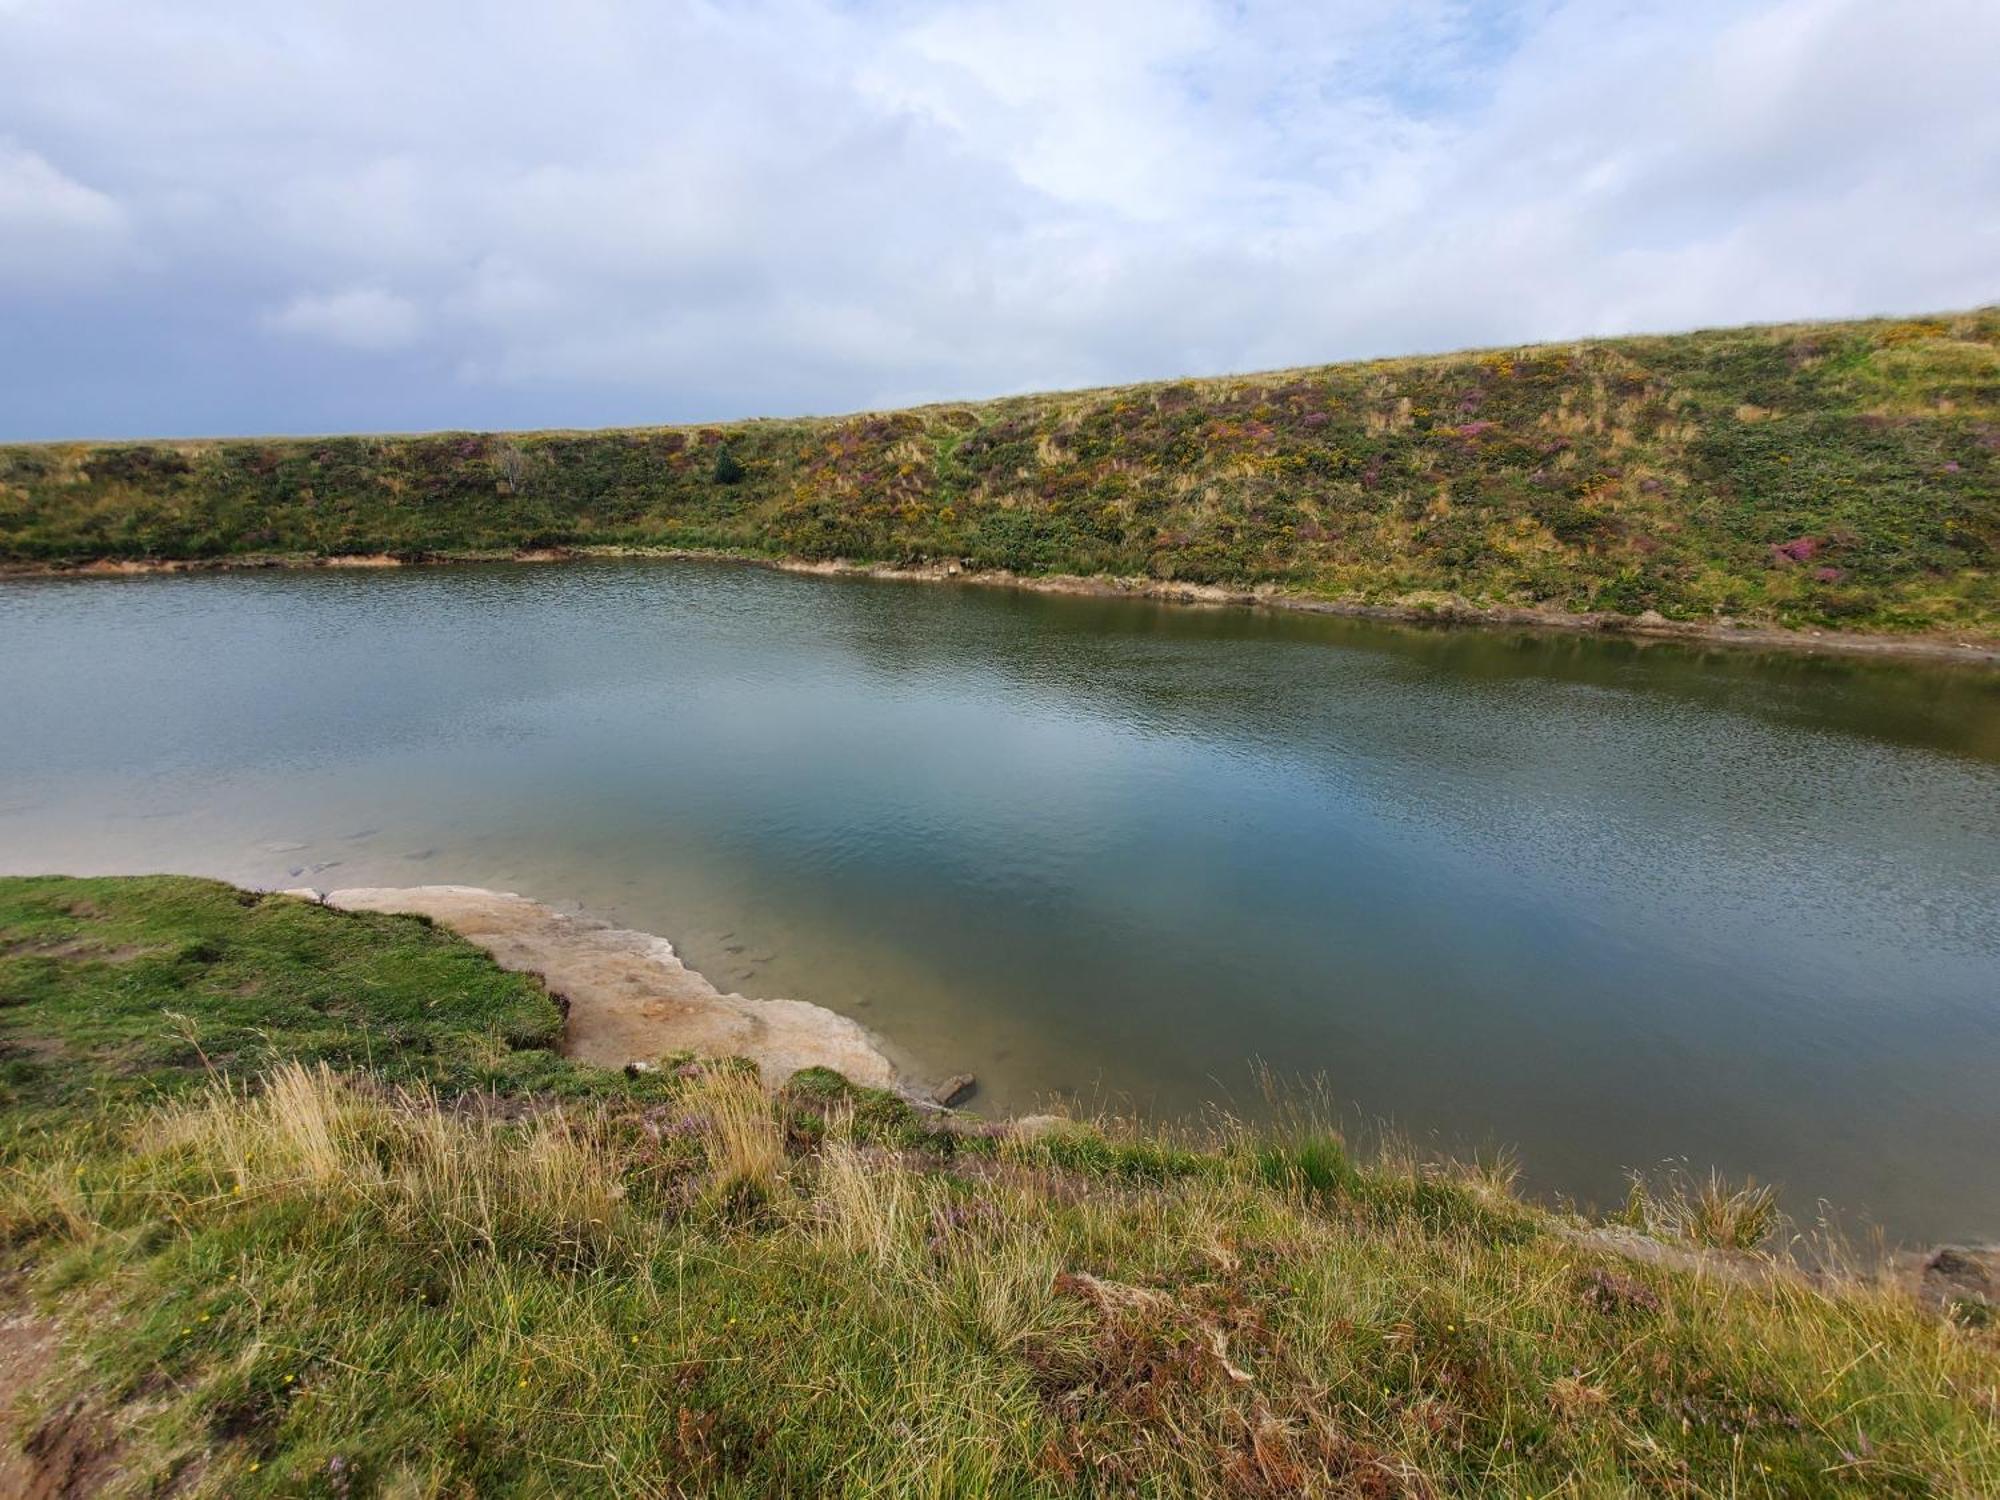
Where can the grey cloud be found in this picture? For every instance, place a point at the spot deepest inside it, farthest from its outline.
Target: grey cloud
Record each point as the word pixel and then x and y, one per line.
pixel 371 215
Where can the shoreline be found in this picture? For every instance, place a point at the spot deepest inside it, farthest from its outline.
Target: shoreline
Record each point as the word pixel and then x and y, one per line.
pixel 502 1223
pixel 630 1002
pixel 627 997
pixel 1426 611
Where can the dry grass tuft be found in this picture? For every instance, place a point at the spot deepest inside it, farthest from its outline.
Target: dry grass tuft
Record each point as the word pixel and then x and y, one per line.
pixel 1709 1212
pixel 746 1144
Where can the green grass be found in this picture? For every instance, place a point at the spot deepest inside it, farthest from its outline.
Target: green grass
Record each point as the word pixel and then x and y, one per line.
pixel 461 1266
pixel 1839 475
pixel 118 991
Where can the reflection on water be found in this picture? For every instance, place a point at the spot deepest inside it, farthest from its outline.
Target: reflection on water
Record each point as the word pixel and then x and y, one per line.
pixel 1605 902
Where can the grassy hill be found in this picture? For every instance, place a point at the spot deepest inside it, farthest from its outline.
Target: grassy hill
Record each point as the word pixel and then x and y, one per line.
pixel 1833 474
pixel 299 1202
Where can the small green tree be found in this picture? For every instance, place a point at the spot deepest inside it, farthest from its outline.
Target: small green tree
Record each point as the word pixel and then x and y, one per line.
pixel 728 468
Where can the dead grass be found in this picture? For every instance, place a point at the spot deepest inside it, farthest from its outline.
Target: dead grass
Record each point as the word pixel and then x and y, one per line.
pixel 1675 1204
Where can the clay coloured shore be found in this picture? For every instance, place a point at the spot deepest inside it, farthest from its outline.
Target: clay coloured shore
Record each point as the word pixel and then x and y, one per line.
pixel 627 996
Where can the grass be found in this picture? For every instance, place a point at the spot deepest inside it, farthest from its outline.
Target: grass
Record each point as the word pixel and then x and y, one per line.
pixel 1837 475
pixel 1703 1211
pixel 286 1263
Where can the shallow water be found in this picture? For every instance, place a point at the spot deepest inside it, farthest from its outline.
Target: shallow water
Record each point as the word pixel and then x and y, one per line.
pixel 1602 902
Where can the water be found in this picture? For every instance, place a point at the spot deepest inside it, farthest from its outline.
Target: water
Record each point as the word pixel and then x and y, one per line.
pixel 1604 903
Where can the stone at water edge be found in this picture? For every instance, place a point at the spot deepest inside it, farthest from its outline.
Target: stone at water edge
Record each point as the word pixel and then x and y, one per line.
pixel 955 1089
pixel 1953 1275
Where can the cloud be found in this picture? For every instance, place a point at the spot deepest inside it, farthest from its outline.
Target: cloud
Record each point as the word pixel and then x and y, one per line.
pixel 687 210
pixel 52 226
pixel 365 318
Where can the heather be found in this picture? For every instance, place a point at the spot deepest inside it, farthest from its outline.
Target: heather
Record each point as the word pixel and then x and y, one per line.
pixel 1827 475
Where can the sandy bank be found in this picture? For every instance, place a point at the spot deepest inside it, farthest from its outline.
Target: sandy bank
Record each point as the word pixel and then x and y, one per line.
pixel 630 997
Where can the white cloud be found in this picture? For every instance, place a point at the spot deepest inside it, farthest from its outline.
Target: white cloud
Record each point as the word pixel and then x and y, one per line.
pixel 52 226
pixel 365 318
pixel 629 211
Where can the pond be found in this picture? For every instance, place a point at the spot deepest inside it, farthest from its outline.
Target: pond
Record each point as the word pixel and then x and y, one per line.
pixel 1602 902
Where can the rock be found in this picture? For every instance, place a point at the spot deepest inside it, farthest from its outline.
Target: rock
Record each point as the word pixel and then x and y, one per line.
pixel 639 1067
pixel 1954 1274
pixel 955 1089
pixel 306 893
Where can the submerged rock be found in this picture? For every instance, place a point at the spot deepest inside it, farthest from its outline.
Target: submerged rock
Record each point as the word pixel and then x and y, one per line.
pixel 955 1090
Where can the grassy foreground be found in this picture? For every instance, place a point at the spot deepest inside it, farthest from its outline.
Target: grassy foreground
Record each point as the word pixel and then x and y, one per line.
pixel 317 1212
pixel 1832 474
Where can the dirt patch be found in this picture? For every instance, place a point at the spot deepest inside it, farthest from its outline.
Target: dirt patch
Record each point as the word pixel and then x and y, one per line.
pixel 1744 1267
pixel 37 1049
pixel 82 948
pixel 67 1453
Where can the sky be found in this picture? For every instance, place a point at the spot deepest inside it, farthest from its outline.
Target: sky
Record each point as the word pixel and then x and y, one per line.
pixel 378 215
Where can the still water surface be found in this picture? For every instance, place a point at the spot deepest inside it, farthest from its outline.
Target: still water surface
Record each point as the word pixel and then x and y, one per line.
pixel 1605 903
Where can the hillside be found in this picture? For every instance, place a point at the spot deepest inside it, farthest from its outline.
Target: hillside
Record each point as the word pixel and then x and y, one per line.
pixel 301 1202
pixel 1836 474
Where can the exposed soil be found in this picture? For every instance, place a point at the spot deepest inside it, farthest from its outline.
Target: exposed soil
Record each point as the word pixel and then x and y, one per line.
pixel 68 1454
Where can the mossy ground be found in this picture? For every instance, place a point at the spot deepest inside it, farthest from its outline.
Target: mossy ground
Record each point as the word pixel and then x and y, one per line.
pixel 1836 475
pixel 319 1213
